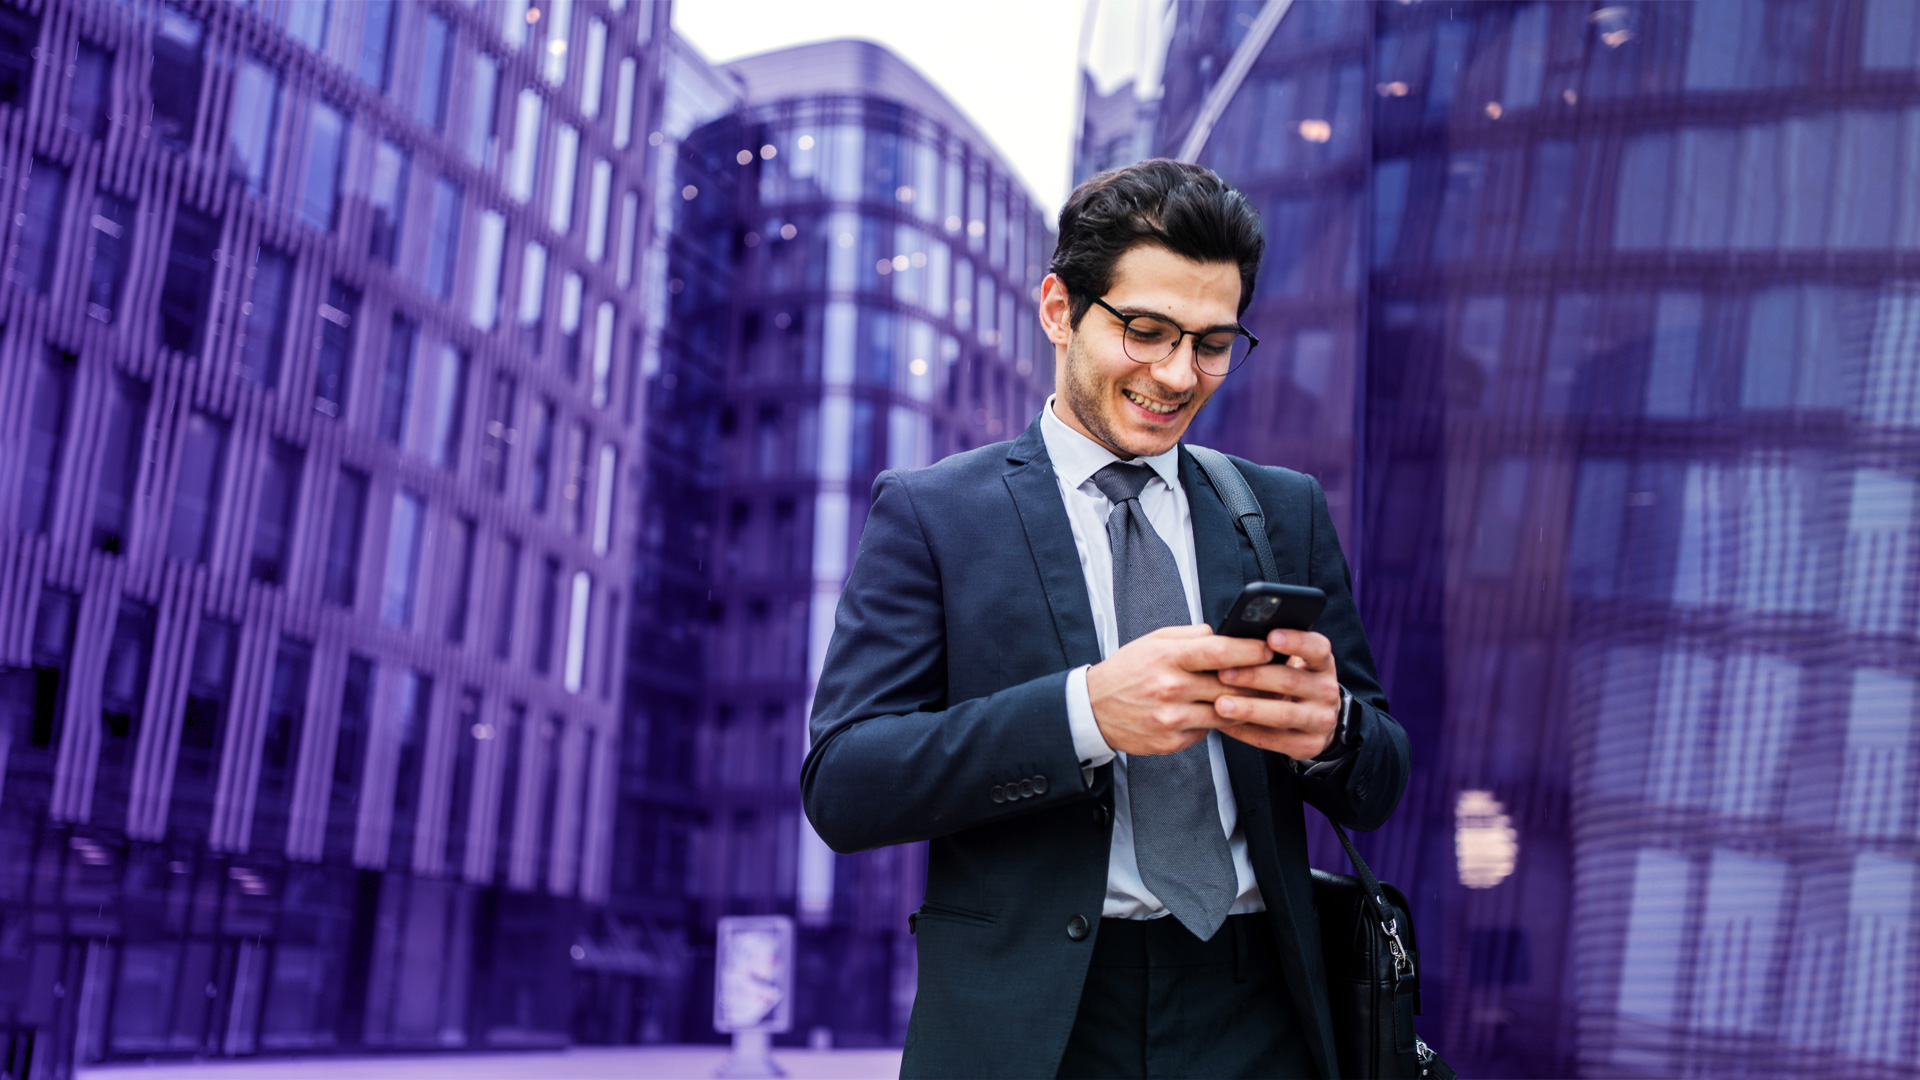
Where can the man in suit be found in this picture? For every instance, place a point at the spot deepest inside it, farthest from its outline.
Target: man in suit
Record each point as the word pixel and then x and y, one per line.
pixel 1117 883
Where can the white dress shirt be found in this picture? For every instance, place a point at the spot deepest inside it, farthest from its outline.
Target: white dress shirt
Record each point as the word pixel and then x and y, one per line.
pixel 1075 459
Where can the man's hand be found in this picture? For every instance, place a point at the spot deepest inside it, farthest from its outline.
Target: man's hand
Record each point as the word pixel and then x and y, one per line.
pixel 1154 694
pixel 1291 708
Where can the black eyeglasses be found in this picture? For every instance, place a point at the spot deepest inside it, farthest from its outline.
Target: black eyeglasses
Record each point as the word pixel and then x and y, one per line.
pixel 1149 339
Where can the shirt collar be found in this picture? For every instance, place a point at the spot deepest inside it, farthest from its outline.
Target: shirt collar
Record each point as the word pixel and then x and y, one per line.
pixel 1076 458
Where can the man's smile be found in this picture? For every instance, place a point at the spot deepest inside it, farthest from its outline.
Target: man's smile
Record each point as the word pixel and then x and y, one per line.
pixel 1158 409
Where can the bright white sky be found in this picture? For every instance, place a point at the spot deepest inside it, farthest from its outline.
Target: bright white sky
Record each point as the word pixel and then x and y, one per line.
pixel 1011 65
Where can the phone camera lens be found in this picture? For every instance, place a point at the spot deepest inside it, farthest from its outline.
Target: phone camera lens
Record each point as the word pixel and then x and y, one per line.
pixel 1261 610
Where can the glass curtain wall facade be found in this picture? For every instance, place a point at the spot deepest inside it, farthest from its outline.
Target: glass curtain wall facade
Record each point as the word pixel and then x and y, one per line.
pixel 314 543
pixel 1596 318
pixel 852 282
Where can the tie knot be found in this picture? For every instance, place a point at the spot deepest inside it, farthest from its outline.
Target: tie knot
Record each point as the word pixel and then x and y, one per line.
pixel 1122 480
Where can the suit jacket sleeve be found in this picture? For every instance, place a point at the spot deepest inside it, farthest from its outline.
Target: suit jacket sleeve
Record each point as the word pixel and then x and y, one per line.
pixel 892 760
pixel 1363 790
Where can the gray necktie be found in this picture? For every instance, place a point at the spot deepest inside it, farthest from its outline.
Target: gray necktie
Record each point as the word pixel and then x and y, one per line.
pixel 1177 838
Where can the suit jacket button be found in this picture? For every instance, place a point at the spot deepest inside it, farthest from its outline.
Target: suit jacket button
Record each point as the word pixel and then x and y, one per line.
pixel 1077 928
pixel 999 794
pixel 1039 785
pixel 1027 790
pixel 1101 815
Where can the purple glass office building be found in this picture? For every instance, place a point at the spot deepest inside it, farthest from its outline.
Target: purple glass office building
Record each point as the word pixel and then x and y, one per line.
pixel 851 284
pixel 319 434
pixel 1597 321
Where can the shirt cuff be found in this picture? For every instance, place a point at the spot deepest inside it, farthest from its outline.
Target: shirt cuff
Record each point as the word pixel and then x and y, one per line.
pixel 1088 744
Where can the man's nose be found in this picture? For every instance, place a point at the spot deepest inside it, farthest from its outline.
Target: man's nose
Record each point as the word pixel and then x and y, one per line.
pixel 1179 371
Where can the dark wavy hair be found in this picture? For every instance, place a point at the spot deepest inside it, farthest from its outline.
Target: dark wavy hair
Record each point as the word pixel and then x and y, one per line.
pixel 1182 207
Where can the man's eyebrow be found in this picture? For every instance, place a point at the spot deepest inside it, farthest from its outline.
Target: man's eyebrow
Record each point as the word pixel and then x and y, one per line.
pixel 1126 309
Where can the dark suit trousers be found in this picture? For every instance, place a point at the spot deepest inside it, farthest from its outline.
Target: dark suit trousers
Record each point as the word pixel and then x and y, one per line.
pixel 1160 1002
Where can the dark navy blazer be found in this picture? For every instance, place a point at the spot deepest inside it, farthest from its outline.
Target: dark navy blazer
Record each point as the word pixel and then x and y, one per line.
pixel 946 680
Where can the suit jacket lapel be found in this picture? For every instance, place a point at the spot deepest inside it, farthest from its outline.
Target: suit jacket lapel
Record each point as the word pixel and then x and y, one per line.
pixel 1036 494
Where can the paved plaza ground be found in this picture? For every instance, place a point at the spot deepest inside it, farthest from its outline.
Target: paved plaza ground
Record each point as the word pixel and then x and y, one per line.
pixel 582 1063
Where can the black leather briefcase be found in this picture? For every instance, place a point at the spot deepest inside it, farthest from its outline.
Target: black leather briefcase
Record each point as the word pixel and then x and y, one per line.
pixel 1373 975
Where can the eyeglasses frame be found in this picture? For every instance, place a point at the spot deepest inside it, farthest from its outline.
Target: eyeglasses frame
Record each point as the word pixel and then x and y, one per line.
pixel 1126 323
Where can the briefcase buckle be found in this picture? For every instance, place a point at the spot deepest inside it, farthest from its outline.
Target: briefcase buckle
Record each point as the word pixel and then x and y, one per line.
pixel 1402 963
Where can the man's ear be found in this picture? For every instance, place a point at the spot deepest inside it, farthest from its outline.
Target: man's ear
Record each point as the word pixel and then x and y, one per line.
pixel 1056 310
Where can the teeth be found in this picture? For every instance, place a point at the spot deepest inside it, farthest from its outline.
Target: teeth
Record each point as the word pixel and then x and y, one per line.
pixel 1150 406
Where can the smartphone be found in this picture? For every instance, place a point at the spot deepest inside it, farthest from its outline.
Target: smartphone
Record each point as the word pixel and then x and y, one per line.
pixel 1265 605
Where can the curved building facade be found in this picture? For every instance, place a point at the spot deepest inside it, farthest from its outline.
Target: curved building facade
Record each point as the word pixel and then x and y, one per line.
pixel 319 399
pixel 1599 315
pixel 852 282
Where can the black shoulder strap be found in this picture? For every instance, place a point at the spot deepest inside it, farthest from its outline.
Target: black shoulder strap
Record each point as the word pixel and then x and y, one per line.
pixel 1252 520
pixel 1240 502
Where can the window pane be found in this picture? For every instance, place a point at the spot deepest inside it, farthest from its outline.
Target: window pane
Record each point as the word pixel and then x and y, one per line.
pixel 256 101
pixel 414 695
pixel 403 559
pixel 571 301
pixel 343 538
pixel 326 146
pixel 460 578
pixel 273 524
pixel 88 92
pixel 376 35
pixel 107 262
pixel 566 160
pixel 444 241
pixel 280 744
pixel 526 145
pixel 196 491
pixel 483 96
pixel 507 581
pixel 174 81
pixel 189 281
pixel 623 103
pixel 600 192
pixel 307 22
pixel 19 33
pixel 485 308
pixel 436 60
pixel 39 219
pixel 203 726
pixel 349 758
pixel 332 363
pixel 497 439
pixel 603 498
pixel 559 25
pixel 388 201
pixel 468 733
pixel 266 326
pixel 533 296
pixel 119 467
pixel 576 665
pixel 396 381
pixel 543 634
pixel 543 420
pixel 123 699
pixel 629 222
pixel 602 353
pixel 449 406
pixel 53 391
pixel 573 492
pixel 593 71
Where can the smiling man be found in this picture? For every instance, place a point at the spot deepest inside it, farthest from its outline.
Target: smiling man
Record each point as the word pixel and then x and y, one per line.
pixel 1021 673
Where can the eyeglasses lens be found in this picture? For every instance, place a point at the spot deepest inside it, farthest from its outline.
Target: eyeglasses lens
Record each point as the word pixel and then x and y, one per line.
pixel 1149 340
